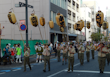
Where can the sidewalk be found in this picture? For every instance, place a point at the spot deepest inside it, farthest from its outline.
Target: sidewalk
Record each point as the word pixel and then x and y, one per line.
pixel 13 65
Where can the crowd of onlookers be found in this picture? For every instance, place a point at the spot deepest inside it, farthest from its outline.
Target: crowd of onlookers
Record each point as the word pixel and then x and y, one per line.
pixel 13 55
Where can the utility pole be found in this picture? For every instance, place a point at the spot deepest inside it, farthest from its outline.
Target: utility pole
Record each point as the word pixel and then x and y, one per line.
pixel 21 4
pixel 26 8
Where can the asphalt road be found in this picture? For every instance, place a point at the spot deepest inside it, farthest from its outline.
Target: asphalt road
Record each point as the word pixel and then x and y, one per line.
pixel 90 69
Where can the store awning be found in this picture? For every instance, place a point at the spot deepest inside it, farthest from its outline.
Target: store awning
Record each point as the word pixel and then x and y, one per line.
pixel 72 35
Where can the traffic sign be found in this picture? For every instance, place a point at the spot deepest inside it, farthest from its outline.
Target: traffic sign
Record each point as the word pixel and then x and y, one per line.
pixel 24 5
pixel 23 27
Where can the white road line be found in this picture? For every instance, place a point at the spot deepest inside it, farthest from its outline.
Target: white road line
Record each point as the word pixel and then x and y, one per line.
pixel 88 71
pixel 67 68
pixel 2 73
pixel 16 70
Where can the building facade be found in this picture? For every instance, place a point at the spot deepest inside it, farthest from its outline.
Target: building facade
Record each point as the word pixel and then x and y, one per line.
pixel 55 33
pixel 85 14
pixel 43 8
pixel 93 6
pixel 73 17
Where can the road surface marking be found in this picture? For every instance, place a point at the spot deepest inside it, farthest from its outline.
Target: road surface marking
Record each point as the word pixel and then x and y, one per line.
pixel 88 71
pixel 2 73
pixel 67 68
pixel 16 70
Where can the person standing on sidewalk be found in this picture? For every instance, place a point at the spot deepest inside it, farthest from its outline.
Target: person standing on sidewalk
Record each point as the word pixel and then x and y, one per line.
pixel 18 49
pixel 58 51
pixel 92 50
pixel 71 57
pixel 64 54
pixel 88 47
pixel 46 54
pixel 102 50
pixel 26 57
pixel 81 53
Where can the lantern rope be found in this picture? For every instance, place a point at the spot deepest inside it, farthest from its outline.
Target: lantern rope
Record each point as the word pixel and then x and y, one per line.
pixel 41 34
pixel 20 34
pixel 43 16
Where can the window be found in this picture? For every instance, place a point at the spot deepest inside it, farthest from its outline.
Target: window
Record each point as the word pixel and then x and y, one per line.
pixel 69 14
pixel 69 3
pixel 92 12
pixel 92 19
pixel 69 26
pixel 63 4
pixel 73 5
pixel 52 15
pixel 52 1
pixel 77 5
pixel 58 2
pixel 74 17
pixel 89 15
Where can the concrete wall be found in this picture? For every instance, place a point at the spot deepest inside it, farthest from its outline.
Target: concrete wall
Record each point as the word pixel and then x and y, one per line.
pixel 11 31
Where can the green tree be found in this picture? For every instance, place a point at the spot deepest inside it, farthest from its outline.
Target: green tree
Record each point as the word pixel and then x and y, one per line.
pixel 106 39
pixel 96 36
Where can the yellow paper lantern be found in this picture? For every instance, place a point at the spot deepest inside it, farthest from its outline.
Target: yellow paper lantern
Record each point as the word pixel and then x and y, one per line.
pixel 57 19
pixel 34 20
pixel 105 25
pixel 79 26
pixel 12 17
pixel 61 29
pixel 82 23
pixel 60 20
pixel 42 21
pixel 99 18
pixel 75 26
pixel 88 24
pixel 51 24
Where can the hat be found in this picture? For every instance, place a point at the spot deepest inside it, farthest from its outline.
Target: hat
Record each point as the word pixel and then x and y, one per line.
pixel 64 45
pixel 71 43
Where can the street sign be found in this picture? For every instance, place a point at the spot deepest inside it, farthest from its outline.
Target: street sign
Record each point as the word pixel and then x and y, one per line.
pixel 17 5
pixel 24 5
pixel 23 27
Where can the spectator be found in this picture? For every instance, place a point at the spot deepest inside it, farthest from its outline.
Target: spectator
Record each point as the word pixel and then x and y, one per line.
pixel 13 54
pixel 7 50
pixel 18 49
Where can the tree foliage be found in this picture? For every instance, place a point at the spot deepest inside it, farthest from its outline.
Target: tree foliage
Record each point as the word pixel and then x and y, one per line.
pixel 96 36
